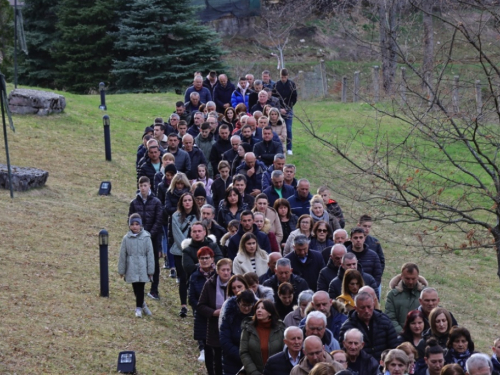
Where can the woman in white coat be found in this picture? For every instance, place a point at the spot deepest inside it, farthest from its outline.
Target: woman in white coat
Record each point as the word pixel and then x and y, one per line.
pixel 250 257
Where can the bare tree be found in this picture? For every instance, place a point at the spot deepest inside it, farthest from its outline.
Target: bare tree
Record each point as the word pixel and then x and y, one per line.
pixel 278 21
pixel 437 167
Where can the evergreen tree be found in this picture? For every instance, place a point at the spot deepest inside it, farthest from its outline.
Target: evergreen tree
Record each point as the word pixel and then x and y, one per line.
pixel 6 35
pixel 84 52
pixel 38 68
pixel 162 43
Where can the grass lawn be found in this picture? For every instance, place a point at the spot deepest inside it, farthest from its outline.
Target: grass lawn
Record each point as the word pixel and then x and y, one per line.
pixel 53 320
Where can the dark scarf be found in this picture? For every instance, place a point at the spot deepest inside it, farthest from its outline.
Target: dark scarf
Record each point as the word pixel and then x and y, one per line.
pixel 460 358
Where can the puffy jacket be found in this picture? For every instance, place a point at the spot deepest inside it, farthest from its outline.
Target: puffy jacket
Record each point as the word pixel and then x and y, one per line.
pixel 136 259
pixel 265 151
pixel 230 336
pixel 250 352
pixel 401 300
pixel 151 213
pixel 335 286
pixel 171 200
pixel 234 241
pixel 196 283
pixel 367 364
pixel 237 97
pixel 224 215
pixel 299 205
pixel 374 244
pixel 182 160
pixel 190 249
pixel 370 262
pixel 254 181
pixel 326 275
pixel 379 337
pixel 222 95
pixel 310 269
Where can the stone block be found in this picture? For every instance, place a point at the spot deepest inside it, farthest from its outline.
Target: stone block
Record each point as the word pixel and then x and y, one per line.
pixel 23 178
pixel 42 103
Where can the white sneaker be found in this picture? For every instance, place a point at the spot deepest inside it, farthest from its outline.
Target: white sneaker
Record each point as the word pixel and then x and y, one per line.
pixel 290 152
pixel 146 310
pixel 201 358
pixel 138 312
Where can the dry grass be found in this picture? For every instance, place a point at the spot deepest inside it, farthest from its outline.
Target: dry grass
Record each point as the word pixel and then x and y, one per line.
pixel 53 320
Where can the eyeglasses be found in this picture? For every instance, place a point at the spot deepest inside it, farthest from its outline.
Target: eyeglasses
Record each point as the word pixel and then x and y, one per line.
pixel 245 305
pixel 322 230
pixel 204 258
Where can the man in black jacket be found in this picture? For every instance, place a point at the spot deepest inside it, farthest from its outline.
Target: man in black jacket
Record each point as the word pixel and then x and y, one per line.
pixel 331 270
pixel 151 210
pixel 151 166
pixel 222 93
pixel 283 362
pixel 377 329
pixel 221 183
pixel 358 361
pixel 286 91
pixel 284 273
pixel 221 145
pixel 306 263
pixel 195 155
pixel 267 149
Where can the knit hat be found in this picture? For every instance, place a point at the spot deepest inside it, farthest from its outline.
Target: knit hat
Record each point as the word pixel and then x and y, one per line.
pixel 147 130
pixel 170 168
pixel 200 192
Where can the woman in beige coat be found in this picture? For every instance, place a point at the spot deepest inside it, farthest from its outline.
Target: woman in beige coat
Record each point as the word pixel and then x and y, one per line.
pixel 250 257
pixel 262 205
pixel 278 125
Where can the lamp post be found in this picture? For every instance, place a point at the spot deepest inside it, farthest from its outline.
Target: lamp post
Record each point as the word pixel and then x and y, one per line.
pixel 103 262
pixel 103 96
pixel 107 136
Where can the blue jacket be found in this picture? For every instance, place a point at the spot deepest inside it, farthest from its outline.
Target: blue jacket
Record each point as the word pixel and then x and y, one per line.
pixel 309 270
pixel 300 206
pixel 374 244
pixel 237 98
pixel 234 241
pixel 286 192
pixel 205 95
pixel 255 181
pixel 230 335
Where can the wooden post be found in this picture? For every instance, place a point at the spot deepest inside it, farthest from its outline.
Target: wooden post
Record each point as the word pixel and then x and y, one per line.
pixel 323 77
pixel 344 89
pixel 455 97
pixel 402 88
pixel 376 84
pixel 479 98
pixel 356 87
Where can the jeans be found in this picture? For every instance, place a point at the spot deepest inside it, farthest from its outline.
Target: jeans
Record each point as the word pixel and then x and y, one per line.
pixel 288 122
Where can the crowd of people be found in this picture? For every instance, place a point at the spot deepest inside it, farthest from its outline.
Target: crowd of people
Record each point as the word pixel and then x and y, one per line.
pixel 274 282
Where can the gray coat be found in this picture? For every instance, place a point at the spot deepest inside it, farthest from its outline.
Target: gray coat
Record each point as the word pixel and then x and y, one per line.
pixel 136 259
pixel 180 231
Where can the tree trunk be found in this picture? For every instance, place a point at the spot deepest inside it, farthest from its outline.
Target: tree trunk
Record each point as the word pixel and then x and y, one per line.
pixel 388 10
pixel 428 63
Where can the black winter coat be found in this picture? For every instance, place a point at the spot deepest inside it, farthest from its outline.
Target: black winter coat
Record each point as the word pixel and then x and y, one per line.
pixel 326 275
pixel 147 169
pixel 230 335
pixel 151 214
pixel 374 244
pixel 366 364
pixel 206 307
pixel 224 216
pixel 190 249
pixel 265 151
pixel 279 364
pixel 298 283
pixel 196 283
pixel 309 270
pixel 218 188
pixel 197 157
pixel 379 337
pixel 222 95
pixel 218 149
pixel 370 262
